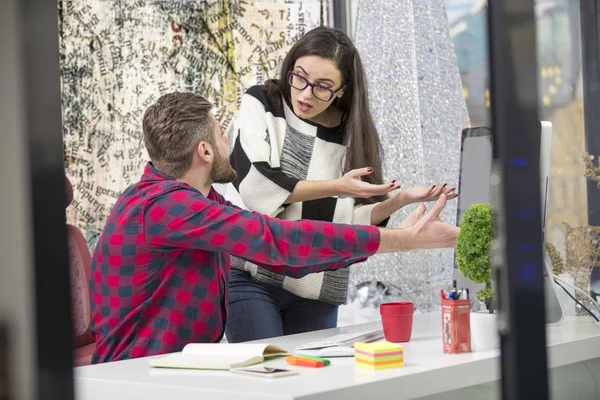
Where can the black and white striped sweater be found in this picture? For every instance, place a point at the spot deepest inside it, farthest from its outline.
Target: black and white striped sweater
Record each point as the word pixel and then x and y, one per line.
pixel 273 150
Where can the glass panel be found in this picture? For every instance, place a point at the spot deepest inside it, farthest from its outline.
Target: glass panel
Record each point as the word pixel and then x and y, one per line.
pixel 572 243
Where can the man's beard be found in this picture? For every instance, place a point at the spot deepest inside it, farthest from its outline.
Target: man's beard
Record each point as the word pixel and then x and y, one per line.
pixel 222 171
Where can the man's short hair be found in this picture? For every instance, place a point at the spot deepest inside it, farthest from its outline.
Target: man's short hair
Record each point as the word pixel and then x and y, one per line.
pixel 173 127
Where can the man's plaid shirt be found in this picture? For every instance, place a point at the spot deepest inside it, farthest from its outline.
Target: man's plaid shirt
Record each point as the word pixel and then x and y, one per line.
pixel 160 270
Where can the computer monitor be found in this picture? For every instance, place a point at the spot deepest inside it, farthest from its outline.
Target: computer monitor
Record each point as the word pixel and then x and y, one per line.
pixel 474 187
pixel 545 165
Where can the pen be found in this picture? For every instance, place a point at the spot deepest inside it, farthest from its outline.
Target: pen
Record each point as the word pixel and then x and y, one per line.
pixel 304 362
pixel 325 361
pixel 453 292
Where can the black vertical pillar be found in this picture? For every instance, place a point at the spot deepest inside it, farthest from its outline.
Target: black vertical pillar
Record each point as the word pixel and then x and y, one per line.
pixel 590 57
pixel 43 132
pixel 517 249
pixel 590 46
pixel 340 15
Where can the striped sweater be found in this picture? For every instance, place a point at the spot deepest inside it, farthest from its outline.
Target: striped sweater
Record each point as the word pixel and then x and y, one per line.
pixel 273 150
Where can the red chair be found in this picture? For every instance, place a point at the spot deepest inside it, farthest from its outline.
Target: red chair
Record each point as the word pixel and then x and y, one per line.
pixel 80 260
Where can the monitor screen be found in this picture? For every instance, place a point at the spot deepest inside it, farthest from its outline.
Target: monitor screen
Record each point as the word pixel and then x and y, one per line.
pixel 474 187
pixel 475 169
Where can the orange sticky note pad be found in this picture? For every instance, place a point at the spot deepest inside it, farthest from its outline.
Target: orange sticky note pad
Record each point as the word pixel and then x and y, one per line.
pixel 304 362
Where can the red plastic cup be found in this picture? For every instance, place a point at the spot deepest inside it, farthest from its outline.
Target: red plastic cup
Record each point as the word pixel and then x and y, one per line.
pixel 397 321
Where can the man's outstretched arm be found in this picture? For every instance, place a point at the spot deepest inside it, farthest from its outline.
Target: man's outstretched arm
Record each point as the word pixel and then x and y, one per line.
pixel 186 219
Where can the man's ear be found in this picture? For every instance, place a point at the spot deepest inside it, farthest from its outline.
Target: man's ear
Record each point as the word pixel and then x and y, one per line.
pixel 205 151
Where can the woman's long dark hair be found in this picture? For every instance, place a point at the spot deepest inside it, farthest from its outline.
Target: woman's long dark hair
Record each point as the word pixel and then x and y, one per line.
pixel 360 137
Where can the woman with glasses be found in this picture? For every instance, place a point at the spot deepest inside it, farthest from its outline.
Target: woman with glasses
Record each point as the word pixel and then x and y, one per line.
pixel 306 147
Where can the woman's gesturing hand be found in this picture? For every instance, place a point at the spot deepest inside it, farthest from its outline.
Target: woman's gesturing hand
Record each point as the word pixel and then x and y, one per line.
pixel 352 185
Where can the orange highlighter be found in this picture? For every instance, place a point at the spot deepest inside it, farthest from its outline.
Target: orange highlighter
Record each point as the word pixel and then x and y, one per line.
pixel 304 362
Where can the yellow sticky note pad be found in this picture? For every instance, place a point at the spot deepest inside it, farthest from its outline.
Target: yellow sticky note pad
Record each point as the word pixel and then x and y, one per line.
pixel 378 365
pixel 378 355
pixel 379 359
pixel 377 348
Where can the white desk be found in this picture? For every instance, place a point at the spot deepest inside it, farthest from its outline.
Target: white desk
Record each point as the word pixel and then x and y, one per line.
pixel 427 370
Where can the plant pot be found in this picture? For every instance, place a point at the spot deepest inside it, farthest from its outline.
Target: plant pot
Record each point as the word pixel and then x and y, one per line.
pixel 484 331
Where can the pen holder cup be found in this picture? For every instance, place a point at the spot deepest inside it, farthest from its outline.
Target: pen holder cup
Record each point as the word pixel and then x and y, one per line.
pixel 397 321
pixel 456 326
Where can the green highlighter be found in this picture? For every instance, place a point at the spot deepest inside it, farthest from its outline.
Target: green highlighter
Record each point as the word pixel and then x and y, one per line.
pixel 325 361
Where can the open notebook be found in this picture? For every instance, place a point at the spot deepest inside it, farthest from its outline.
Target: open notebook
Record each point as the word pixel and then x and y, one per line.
pixel 218 356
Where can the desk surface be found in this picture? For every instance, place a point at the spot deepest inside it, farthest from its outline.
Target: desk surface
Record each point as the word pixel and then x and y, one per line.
pixel 427 370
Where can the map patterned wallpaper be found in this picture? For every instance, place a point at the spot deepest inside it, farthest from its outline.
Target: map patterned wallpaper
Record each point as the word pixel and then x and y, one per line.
pixel 119 56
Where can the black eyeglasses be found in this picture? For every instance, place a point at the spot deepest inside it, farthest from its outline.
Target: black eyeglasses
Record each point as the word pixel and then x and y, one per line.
pixel 320 92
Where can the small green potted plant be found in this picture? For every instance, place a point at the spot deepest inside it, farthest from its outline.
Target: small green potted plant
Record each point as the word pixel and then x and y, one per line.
pixel 472 249
pixel 473 261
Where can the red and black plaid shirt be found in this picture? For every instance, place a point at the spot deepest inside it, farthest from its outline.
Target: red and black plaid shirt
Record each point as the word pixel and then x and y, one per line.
pixel 160 269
